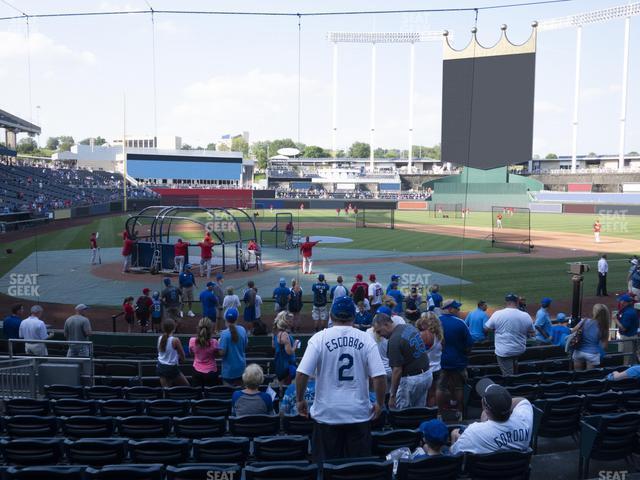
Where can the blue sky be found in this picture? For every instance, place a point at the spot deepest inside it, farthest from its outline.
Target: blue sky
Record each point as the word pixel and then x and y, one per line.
pixel 223 74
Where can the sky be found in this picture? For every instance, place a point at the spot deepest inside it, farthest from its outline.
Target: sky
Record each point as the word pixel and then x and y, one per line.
pixel 219 75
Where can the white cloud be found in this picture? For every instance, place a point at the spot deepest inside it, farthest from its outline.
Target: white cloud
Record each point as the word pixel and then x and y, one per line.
pixel 592 93
pixel 546 106
pixel 167 26
pixel 260 102
pixel 14 46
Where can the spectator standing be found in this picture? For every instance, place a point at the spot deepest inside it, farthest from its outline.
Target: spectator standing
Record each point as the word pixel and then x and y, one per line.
pixel 603 270
pixel 394 279
pixel 172 302
pixel 156 312
pixel 410 376
pixel 627 322
pixel 33 328
pixel 170 354
pixel 593 339
pixel 398 298
pixel 285 349
pixel 319 310
pixel 233 345
pixel 204 349
pixel 258 307
pixel 411 309
pixel 375 293
pixel 209 303
pixel 632 269
pixel 454 359
pixel 383 343
pixel 543 322
pixel 11 323
pixel 77 328
pixel 187 281
pixel 432 335
pixel 435 296
pixel 359 283
pixel 231 300
pixel 506 423
pixel 476 321
pixel 250 400
pixel 360 295
pixel 338 290
pixel 295 304
pixel 344 360
pixel 143 309
pixel 307 255
pixel 129 313
pixel 634 280
pixel 281 296
pixel 249 300
pixel 512 327
pixel 219 293
pixel 180 250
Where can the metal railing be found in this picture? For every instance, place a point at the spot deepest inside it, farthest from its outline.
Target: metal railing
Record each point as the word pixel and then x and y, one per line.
pixel 18 378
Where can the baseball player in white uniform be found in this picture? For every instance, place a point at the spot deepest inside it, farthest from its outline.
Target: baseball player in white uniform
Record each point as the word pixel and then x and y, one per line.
pixel 343 359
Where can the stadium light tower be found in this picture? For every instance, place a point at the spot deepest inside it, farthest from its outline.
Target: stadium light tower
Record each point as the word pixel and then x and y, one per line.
pixel 375 38
pixel 577 21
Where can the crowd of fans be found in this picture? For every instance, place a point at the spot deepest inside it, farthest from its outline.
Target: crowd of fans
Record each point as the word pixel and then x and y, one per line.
pixel 41 189
pixel 358 194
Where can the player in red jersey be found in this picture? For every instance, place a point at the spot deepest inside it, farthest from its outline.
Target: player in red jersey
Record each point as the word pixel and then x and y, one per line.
pixel 307 253
pixel 206 255
pixel 127 250
pixel 180 251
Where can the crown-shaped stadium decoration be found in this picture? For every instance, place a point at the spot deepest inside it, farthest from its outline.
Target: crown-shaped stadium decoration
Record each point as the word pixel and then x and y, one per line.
pixel 503 47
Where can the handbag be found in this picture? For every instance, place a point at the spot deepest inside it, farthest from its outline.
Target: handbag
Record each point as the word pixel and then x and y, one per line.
pixel 573 340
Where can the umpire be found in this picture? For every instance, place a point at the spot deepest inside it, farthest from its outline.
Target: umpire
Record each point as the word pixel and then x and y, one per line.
pixel 344 360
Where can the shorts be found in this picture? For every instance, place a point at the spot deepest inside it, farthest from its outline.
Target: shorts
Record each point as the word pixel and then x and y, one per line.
pixel 187 293
pixel 592 358
pixel 168 371
pixel 250 314
pixel 319 313
pixel 156 320
pixel 204 379
pixel 129 319
pixel 452 380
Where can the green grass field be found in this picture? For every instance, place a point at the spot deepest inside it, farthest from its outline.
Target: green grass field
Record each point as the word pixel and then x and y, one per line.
pixel 491 276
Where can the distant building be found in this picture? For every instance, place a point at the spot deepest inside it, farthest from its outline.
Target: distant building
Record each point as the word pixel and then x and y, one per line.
pixel 163 142
pixel 225 142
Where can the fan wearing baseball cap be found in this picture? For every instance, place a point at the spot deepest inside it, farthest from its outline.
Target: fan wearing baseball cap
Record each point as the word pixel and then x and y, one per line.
pixel 627 323
pixel 512 328
pixel 505 424
pixel 359 283
pixel 344 360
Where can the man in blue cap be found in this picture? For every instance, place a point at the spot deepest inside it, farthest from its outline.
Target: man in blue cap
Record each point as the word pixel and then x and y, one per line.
pixel 395 278
pixel 627 322
pixel 512 328
pixel 435 436
pixel 281 295
pixel 344 360
pixel 209 303
pixel 543 322
pixel 172 302
pixel 454 360
pixel 187 281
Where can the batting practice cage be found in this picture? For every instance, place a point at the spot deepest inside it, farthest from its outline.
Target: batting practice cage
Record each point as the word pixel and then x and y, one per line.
pixel 511 228
pixel 276 236
pixel 370 218
pixel 446 210
pixel 156 229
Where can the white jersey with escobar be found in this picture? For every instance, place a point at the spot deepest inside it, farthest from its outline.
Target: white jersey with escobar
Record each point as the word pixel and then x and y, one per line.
pixel 376 293
pixel 490 436
pixel 342 359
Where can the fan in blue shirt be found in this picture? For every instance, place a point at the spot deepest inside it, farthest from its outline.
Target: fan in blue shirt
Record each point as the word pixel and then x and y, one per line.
pixel 627 318
pixel 475 321
pixel 435 296
pixel 543 322
pixel 209 302
pixel 559 330
pixel 11 323
pixel 398 297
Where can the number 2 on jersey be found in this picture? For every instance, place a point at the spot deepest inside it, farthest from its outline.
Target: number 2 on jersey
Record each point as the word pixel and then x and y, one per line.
pixel 345 365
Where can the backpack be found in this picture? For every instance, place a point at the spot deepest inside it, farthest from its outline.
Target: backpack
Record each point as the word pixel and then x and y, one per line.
pixel 282 361
pixel 142 307
pixel 283 299
pixel 295 303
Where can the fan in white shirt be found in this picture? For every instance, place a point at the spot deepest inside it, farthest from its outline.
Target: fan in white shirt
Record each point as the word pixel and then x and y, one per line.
pixel 506 423
pixel 343 360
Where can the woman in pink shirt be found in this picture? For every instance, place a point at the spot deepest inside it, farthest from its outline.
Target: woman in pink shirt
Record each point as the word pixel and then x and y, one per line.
pixel 204 349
